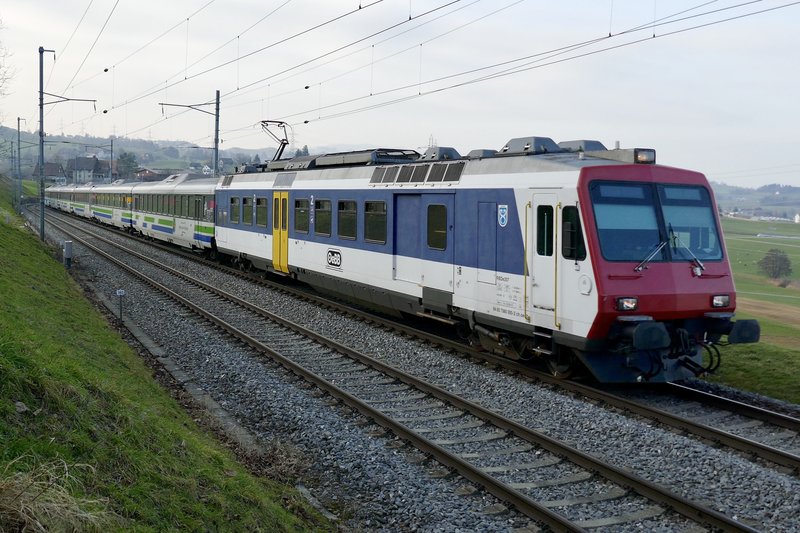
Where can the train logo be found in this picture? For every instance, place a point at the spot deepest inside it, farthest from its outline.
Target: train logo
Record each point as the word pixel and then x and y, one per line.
pixel 502 215
pixel 335 259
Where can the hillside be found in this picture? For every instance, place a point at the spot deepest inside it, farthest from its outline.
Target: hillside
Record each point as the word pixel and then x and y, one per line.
pixel 90 440
pixel 156 155
pixel 782 201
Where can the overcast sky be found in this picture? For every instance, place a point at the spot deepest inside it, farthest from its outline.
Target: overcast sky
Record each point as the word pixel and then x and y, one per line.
pixel 718 97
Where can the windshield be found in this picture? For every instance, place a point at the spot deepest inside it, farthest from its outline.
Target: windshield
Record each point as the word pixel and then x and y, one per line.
pixel 643 222
pixel 691 223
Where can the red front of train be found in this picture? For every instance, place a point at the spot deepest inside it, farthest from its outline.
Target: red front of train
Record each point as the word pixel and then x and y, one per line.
pixel 666 295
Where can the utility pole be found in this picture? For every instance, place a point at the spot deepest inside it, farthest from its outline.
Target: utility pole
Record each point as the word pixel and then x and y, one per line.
pixel 41 131
pixel 41 139
pixel 18 188
pixel 111 163
pixel 216 137
pixel 216 125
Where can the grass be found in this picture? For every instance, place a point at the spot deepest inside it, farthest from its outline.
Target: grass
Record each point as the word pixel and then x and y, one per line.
pixel 90 440
pixel 771 367
pixel 763 368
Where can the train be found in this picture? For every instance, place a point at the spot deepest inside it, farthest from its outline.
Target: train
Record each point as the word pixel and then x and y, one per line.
pixel 584 258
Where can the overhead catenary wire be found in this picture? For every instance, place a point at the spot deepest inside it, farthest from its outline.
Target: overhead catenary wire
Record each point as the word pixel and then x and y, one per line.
pixel 352 43
pixel 542 55
pixel 521 68
pixel 150 42
pixel 249 54
pixel 91 48
pixel 528 66
pixel 66 46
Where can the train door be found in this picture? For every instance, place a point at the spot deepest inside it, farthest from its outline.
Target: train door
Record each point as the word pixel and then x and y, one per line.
pixel 543 256
pixel 280 231
pixel 407 237
pixel 423 240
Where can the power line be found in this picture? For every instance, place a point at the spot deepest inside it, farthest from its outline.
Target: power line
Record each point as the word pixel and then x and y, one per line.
pixel 66 46
pixel 361 7
pixel 150 42
pixel 523 68
pixel 280 41
pixel 343 47
pixel 92 47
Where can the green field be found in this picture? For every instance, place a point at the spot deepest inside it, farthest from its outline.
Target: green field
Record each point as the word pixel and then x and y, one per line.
pixel 771 367
pixel 90 441
pixel 747 243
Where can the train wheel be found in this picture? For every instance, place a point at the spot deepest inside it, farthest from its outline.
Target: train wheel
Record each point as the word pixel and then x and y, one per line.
pixel 562 363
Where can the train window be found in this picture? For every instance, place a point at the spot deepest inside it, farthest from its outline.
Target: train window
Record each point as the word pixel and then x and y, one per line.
pixel 276 213
pixel 184 205
pixel 322 217
pixel 437 227
pixel 391 174
pixel 420 171
pixel 454 171
pixel 572 244
pixel 301 219
pixel 691 224
pixel 405 174
pixel 346 219
pixel 375 222
pixel 544 230
pixel 377 175
pixel 261 212
pixel 437 172
pixel 159 205
pixel 234 211
pixel 209 211
pixel 285 214
pixel 627 225
pixel 247 211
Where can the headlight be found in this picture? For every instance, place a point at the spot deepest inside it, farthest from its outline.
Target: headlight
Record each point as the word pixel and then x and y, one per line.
pixel 720 300
pixel 627 303
pixel 644 156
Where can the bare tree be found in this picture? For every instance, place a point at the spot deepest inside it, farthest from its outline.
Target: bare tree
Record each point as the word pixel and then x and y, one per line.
pixel 5 70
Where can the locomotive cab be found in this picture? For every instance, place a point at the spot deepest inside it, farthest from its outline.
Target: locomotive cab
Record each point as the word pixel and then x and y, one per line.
pixel 665 290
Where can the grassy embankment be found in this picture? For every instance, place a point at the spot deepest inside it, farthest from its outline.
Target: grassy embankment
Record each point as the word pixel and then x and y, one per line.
pixel 89 440
pixel 771 367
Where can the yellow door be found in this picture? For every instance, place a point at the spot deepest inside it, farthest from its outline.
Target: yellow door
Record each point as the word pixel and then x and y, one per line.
pixel 280 232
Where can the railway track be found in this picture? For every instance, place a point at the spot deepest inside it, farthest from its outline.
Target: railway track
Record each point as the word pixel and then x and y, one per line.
pixel 519 465
pixel 754 431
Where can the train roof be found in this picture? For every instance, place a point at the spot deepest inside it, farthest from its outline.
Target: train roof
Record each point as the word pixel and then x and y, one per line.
pixel 184 182
pixel 440 165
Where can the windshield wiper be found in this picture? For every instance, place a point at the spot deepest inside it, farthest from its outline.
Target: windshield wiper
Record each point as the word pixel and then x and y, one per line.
pixel 676 239
pixel 643 265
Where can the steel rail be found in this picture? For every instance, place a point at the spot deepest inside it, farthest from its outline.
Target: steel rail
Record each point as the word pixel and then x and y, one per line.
pixel 735 406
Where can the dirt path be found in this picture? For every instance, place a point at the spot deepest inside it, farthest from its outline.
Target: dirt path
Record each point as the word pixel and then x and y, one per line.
pixel 786 314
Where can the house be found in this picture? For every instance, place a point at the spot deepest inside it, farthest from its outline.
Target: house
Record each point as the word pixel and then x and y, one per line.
pixel 146 174
pixel 90 169
pixel 53 173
